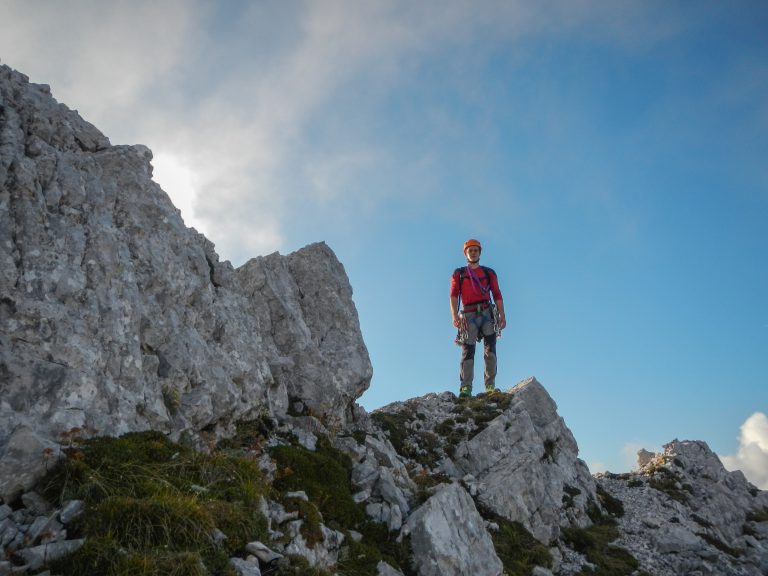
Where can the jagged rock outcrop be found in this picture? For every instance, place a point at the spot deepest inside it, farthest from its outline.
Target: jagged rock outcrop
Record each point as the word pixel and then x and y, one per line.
pixel 117 317
pixel 512 450
pixel 684 513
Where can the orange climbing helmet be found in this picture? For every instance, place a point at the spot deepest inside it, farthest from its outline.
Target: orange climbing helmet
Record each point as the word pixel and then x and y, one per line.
pixel 472 242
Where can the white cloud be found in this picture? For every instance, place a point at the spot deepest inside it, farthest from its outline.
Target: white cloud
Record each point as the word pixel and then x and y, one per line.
pixel 102 58
pixel 596 466
pixel 233 97
pixel 752 455
pixel 629 455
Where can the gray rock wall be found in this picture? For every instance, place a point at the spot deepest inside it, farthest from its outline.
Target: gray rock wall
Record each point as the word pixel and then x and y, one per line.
pixel 114 316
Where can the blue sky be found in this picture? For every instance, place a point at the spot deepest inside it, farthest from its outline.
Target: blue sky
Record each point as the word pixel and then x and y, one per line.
pixel 609 155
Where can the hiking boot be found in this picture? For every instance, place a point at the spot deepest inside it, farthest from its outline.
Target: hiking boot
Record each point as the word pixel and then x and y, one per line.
pixel 490 389
pixel 465 392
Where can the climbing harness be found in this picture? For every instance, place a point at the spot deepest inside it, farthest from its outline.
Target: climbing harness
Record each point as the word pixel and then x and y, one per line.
pixel 462 337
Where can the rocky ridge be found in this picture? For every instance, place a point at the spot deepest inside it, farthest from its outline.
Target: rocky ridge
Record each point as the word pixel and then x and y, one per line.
pixel 116 317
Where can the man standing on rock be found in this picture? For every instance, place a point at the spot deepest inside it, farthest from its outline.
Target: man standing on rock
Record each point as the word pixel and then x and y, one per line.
pixel 480 318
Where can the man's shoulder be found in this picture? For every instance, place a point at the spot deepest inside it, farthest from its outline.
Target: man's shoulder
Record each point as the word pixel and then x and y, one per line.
pixel 488 270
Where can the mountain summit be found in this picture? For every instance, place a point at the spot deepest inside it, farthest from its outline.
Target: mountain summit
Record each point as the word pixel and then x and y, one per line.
pixel 142 378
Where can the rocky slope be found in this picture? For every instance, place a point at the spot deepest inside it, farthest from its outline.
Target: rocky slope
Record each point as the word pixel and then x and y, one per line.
pixel 686 514
pixel 115 318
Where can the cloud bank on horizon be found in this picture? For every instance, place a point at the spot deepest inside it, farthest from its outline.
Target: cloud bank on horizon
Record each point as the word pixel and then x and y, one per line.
pixel 752 456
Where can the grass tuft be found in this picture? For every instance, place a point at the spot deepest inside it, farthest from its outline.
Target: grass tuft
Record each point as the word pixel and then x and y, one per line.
pixel 152 506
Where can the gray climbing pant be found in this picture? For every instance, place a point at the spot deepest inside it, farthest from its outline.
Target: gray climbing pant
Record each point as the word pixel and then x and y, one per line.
pixel 479 325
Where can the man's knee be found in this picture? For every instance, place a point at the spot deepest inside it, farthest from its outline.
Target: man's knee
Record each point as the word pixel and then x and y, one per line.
pixel 489 344
pixel 467 352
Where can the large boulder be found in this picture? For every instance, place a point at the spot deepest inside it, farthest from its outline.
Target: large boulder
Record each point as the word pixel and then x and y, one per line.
pixel 449 537
pixel 114 316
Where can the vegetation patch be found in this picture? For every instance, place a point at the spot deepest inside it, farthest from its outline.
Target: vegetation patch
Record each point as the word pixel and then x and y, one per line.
pixel 720 545
pixel 425 482
pixel 612 505
pixel 664 480
pixel 104 555
pixel 483 408
pixel 445 427
pixel 421 446
pixel 152 506
pixel 324 475
pixel 396 426
pixel 595 543
pixel 758 515
pixel 517 549
pixel 298 566
pixel 550 446
pixel 701 521
pixel 378 543
pixel 569 493
pixel 250 436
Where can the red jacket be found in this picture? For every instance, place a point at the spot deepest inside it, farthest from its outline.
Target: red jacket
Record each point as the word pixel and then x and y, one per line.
pixel 476 286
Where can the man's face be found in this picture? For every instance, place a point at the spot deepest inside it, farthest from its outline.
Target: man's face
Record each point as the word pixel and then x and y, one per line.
pixel 472 254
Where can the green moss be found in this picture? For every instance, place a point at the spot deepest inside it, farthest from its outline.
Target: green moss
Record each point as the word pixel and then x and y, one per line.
pixel 298 566
pixel 701 521
pixel 421 446
pixel 612 505
pixel 250 435
pixel 325 477
pixel 664 480
pixel 394 551
pixel 358 559
pixel 425 482
pixel 359 436
pixel 758 515
pixel 445 428
pixel 518 551
pixel 595 543
pixel 312 520
pixel 720 545
pixel 550 447
pixel 396 426
pixel 569 493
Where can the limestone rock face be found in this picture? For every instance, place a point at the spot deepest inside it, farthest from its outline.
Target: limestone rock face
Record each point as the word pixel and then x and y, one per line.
pixel 526 460
pixel 304 302
pixel 511 449
pixel 114 316
pixel 686 514
pixel 448 536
